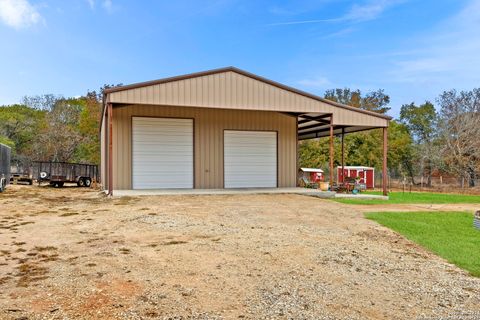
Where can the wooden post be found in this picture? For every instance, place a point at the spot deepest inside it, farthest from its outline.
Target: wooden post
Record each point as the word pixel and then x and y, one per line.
pixel 110 149
pixel 343 156
pixel 297 159
pixel 331 150
pixel 384 167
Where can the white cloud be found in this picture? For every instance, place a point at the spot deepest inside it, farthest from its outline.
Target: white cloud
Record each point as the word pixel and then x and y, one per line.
pixel 339 33
pixel 358 13
pixel 368 11
pixel 91 4
pixel 448 55
pixel 317 82
pixel 19 14
pixel 108 5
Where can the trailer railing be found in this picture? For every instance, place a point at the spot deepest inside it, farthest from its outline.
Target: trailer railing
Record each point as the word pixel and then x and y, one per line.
pixel 58 173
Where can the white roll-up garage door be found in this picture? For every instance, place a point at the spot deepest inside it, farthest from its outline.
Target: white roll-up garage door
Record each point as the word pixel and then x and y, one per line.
pixel 162 155
pixel 250 159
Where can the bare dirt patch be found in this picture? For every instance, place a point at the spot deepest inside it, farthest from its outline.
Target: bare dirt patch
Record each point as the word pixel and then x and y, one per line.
pixel 214 257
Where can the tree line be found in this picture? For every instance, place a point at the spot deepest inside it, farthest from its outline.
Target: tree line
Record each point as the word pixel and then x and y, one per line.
pixel 52 128
pixel 425 138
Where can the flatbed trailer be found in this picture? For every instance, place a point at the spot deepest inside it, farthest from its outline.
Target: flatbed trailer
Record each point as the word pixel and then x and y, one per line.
pixel 59 173
pixel 21 173
pixel 5 153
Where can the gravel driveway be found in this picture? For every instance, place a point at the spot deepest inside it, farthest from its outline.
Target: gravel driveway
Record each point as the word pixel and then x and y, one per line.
pixel 72 253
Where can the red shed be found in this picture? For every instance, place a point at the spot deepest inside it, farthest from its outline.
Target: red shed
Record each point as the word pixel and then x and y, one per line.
pixel 366 174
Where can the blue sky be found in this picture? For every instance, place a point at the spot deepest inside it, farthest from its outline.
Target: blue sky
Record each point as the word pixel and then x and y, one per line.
pixel 413 49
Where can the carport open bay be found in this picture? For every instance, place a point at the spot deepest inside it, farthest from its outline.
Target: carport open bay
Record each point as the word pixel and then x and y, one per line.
pixel 73 252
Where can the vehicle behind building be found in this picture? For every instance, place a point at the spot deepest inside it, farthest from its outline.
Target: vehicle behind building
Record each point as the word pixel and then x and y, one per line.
pixel 5 153
pixel 21 172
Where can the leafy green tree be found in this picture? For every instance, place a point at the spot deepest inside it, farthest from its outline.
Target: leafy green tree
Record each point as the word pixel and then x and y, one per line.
pixel 88 126
pixel 421 122
pixel 376 101
pixel 4 140
pixel 61 137
pixel 20 126
pixel 400 149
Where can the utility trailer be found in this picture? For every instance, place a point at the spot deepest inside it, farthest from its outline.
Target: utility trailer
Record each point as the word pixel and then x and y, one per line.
pixel 21 172
pixel 59 173
pixel 5 153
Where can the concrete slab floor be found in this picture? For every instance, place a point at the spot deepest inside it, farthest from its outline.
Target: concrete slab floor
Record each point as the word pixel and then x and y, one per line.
pixel 151 192
pixel 303 191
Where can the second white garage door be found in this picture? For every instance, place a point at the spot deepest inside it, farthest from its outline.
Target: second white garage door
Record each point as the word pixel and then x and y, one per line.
pixel 250 159
pixel 162 155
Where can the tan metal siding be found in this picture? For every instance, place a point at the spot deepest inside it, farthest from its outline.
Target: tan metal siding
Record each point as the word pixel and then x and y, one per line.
pixel 102 152
pixel 236 91
pixel 209 125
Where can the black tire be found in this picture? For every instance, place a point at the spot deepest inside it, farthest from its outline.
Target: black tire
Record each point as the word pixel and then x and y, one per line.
pixel 88 182
pixel 58 184
pixel 81 182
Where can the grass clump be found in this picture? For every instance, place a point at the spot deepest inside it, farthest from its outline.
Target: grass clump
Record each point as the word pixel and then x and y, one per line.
pixel 173 242
pixel 46 248
pixel 68 214
pixel 124 250
pixel 29 273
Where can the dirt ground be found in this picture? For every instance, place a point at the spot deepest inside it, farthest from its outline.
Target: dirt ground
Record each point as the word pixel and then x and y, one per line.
pixel 73 253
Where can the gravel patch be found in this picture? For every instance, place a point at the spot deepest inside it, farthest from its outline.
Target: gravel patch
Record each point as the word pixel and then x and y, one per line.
pixel 214 257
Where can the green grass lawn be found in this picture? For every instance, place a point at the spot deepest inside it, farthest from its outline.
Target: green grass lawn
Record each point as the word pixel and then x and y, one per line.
pixel 415 197
pixel 450 235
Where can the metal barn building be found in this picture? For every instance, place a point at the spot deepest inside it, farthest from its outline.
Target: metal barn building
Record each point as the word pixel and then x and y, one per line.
pixel 223 128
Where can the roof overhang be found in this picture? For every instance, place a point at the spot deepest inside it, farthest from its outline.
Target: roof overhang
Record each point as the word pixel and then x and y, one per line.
pixel 316 125
pixel 232 88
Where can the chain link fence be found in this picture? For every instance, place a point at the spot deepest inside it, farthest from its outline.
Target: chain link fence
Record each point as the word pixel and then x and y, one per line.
pixel 437 183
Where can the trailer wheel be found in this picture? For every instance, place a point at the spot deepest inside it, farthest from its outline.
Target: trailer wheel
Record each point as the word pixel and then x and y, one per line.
pixel 58 184
pixel 81 182
pixel 88 182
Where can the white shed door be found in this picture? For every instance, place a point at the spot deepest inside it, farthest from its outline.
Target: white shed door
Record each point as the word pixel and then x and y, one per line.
pixel 250 159
pixel 162 153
